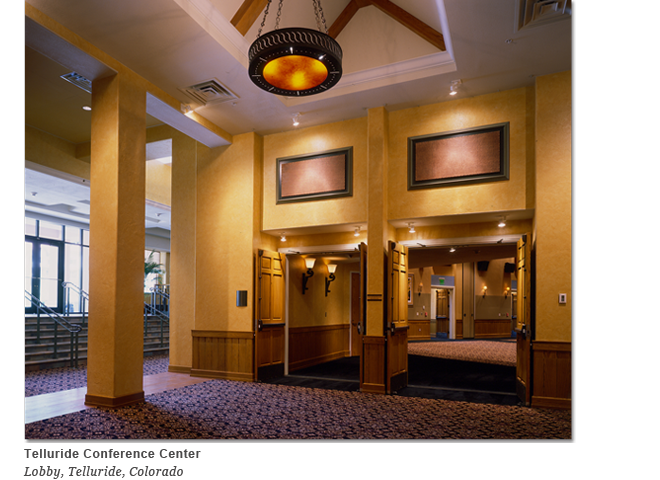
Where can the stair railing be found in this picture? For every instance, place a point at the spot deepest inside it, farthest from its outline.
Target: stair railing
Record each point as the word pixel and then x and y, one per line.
pixel 68 286
pixel 151 311
pixel 57 319
pixel 160 298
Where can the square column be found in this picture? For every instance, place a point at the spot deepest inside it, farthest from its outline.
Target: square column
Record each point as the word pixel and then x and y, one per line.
pixel 116 257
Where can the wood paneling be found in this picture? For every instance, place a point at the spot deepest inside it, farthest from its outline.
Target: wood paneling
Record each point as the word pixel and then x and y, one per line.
pixel 420 329
pixel 313 345
pixel 372 365
pixel 551 383
pixel 226 355
pixel 492 328
pixel 271 345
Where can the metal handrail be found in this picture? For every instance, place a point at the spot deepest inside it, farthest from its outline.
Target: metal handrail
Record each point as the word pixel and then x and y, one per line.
pixel 68 286
pixel 58 320
pixel 150 310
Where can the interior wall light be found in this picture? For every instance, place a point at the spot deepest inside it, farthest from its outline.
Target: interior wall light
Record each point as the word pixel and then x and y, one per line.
pixel 411 227
pixel 186 109
pixel 309 263
pixel 483 292
pixel 419 289
pixel 295 62
pixel 357 232
pixel 453 88
pixel 507 290
pixel 87 108
pixel 331 269
pixel 283 237
pixel 452 250
pixel 296 119
pixel 502 222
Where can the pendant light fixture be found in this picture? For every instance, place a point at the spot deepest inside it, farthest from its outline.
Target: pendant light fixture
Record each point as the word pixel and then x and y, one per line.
pixel 295 62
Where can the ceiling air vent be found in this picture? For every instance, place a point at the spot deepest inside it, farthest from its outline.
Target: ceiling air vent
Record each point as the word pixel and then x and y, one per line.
pixel 209 92
pixel 79 81
pixel 535 13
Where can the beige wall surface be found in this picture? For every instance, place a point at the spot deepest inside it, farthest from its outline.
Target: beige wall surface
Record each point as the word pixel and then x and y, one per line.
pixel 224 250
pixel 350 133
pixel 553 207
pixel 509 106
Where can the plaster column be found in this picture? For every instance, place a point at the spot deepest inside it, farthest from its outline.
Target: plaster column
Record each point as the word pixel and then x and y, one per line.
pixel 116 257
pixel 183 248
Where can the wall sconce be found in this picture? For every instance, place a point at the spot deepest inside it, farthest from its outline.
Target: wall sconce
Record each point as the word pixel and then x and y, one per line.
pixel 283 237
pixel 502 222
pixel 357 232
pixel 411 227
pixel 331 269
pixel 419 289
pixel 484 291
pixel 309 263
pixel 506 292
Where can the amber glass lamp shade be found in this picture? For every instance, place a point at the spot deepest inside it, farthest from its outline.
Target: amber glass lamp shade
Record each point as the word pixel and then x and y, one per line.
pixel 295 62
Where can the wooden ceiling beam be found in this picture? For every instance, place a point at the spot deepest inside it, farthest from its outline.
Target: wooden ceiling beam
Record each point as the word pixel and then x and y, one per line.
pixel 429 34
pixel 247 14
pixel 343 18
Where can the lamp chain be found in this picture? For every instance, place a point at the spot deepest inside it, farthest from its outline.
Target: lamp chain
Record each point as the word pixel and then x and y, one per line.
pixel 279 14
pixel 263 22
pixel 320 18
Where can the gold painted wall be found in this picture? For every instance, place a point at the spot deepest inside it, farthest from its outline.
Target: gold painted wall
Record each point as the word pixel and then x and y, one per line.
pixel 225 234
pixel 553 207
pixel 313 308
pixel 307 141
pixel 509 106
pixel 159 181
pixel 52 152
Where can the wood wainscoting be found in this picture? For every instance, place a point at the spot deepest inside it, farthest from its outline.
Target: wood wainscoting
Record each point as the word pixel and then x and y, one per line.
pixel 419 329
pixel 310 346
pixel 492 328
pixel 372 365
pixel 225 355
pixel 551 370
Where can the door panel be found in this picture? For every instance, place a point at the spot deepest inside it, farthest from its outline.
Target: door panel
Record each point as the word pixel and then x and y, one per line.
pixel 468 300
pixel 356 342
pixel 269 312
pixel 523 321
pixel 397 316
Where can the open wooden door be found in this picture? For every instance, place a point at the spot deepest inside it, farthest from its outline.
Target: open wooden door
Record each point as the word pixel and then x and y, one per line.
pixel 523 321
pixel 269 315
pixel 397 318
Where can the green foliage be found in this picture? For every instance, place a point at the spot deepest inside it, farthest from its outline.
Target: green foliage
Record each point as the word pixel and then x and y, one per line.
pixel 150 266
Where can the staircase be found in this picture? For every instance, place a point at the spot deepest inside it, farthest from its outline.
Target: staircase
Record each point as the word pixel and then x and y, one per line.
pixel 48 337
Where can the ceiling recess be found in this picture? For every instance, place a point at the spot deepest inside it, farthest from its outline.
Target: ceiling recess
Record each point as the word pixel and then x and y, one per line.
pixel 79 81
pixel 535 13
pixel 209 93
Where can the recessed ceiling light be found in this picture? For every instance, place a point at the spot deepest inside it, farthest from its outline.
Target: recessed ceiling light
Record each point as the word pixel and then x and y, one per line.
pixel 87 108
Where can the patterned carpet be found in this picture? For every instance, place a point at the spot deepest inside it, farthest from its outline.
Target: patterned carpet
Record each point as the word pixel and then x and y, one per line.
pixel 67 378
pixel 220 409
pixel 497 352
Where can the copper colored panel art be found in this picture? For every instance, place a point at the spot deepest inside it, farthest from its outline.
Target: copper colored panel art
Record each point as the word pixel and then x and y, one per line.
pixel 314 176
pixel 467 156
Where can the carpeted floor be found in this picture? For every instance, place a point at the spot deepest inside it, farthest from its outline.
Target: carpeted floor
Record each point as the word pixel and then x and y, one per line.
pixel 497 352
pixel 67 378
pixel 221 409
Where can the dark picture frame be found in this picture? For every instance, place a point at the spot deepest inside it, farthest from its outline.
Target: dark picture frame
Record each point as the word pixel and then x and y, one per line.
pixel 315 176
pixel 460 157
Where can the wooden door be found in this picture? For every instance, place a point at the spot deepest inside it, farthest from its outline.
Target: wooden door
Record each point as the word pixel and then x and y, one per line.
pixel 523 321
pixel 269 315
pixel 468 300
pixel 356 341
pixel 397 318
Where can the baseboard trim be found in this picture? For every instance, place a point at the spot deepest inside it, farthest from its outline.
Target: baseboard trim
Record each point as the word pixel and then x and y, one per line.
pixel 373 388
pixel 241 377
pixel 550 402
pixel 179 369
pixel 113 402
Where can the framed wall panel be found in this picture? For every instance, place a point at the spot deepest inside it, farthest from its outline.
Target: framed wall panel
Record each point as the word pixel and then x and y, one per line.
pixel 315 176
pixel 460 157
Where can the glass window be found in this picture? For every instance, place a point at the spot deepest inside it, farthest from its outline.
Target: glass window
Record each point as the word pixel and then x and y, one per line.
pixel 85 268
pixel 85 234
pixel 28 271
pixel 31 227
pixel 50 230
pixel 72 235
pixel 72 274
pixel 49 282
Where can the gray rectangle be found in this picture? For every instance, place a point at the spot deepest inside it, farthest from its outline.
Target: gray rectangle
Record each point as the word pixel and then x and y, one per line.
pixel 112 464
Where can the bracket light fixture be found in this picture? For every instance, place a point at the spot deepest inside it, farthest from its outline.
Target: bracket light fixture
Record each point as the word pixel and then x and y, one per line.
pixel 331 269
pixel 309 263
pixel 295 62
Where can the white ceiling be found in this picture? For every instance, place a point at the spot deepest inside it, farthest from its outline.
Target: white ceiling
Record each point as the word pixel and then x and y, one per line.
pixel 178 43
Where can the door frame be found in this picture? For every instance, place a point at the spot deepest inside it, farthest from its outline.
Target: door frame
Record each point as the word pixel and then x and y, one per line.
pixel 452 312
pixel 36 253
